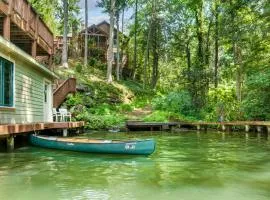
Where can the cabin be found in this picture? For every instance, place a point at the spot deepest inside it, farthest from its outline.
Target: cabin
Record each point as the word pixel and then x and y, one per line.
pixel 98 37
pixel 27 90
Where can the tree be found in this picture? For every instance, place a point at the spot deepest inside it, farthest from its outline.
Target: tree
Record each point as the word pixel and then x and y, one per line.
pixel 135 39
pixel 65 32
pixel 86 35
pixel 110 56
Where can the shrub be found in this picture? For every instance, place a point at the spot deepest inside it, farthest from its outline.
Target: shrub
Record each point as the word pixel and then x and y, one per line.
pixel 222 105
pixel 176 102
pixel 79 67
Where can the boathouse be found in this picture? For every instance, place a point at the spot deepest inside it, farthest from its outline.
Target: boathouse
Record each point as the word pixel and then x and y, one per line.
pixel 27 96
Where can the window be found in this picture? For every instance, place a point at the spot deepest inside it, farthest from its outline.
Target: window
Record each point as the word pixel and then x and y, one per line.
pixel 6 82
pixel 45 93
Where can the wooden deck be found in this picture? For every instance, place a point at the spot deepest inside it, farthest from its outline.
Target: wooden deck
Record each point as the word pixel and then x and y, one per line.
pixel 13 129
pixel 21 25
pixel 258 126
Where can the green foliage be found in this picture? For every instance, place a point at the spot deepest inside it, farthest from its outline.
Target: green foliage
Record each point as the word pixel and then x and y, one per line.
pixel 256 104
pixel 158 116
pixel 176 102
pixel 79 67
pixel 99 122
pixel 222 105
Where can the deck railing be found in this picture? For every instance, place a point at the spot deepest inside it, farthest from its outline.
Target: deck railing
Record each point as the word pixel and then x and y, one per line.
pixel 27 19
pixel 61 92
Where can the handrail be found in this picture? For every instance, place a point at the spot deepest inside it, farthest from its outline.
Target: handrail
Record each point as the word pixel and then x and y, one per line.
pixel 60 93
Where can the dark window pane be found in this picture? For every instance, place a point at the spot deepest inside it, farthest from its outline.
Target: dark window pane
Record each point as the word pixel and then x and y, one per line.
pixel 45 93
pixel 1 83
pixel 8 83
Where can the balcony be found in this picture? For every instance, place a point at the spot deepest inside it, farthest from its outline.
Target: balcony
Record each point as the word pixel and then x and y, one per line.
pixel 21 25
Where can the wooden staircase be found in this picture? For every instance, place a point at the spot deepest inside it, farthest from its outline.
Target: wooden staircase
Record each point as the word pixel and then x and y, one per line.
pixel 62 90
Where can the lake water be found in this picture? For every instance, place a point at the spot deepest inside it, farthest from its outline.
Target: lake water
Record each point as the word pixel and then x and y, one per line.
pixel 185 166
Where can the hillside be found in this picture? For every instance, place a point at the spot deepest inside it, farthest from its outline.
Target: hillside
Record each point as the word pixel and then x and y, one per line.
pixel 103 105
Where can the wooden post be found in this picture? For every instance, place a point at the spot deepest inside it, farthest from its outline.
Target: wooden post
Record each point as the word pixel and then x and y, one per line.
pixel 28 17
pixel 34 43
pixel 50 60
pixel 259 129
pixel 6 21
pixel 198 127
pixel 247 128
pixel 65 132
pixel 223 127
pixel 10 143
pixel 268 130
pixel 6 28
pixel 34 49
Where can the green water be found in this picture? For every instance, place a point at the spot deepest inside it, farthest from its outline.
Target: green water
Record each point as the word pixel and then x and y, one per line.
pixel 185 166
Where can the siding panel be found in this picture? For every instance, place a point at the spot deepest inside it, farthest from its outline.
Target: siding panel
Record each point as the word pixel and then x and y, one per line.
pixel 29 96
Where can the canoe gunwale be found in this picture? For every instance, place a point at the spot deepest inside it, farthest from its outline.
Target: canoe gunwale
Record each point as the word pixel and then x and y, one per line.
pixel 55 139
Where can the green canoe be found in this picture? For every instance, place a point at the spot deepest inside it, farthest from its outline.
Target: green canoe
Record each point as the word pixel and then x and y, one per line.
pixel 138 147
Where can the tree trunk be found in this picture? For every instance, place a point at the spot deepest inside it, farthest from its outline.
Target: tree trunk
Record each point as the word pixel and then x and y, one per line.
pixel 200 79
pixel 146 56
pixel 110 49
pixel 118 50
pixel 155 71
pixel 237 56
pixel 86 35
pixel 65 45
pixel 135 40
pixel 216 44
pixel 188 56
pixel 122 41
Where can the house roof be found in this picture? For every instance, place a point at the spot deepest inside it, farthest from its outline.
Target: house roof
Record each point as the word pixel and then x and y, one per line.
pixel 12 49
pixel 97 26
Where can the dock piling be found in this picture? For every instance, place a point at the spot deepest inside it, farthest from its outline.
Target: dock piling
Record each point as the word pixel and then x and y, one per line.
pixel 223 127
pixel 259 129
pixel 65 132
pixel 268 130
pixel 10 143
pixel 247 128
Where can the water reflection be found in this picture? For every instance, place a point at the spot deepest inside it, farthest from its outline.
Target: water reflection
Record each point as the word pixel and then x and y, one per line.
pixel 185 166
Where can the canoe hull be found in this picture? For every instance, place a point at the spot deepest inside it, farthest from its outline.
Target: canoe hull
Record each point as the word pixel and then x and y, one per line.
pixel 139 147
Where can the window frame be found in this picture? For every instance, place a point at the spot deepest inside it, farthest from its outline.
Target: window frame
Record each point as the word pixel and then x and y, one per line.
pixel 13 82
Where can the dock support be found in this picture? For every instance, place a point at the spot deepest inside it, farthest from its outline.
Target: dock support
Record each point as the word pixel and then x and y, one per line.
pixel 223 127
pixel 198 127
pixel 247 128
pixel 259 129
pixel 10 143
pixel 268 130
pixel 65 132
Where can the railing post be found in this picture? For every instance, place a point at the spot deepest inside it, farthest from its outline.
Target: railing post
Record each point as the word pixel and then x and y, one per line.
pixel 7 20
pixel 34 43
pixel 28 17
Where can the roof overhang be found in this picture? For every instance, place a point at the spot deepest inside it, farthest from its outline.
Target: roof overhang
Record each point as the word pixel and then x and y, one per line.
pixel 11 49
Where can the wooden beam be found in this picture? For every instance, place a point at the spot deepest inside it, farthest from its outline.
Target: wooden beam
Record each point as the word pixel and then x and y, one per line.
pixel 34 49
pixel 6 28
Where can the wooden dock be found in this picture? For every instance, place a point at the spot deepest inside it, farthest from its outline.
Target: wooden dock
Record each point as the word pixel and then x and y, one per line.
pixel 149 126
pixel 247 126
pixel 7 130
